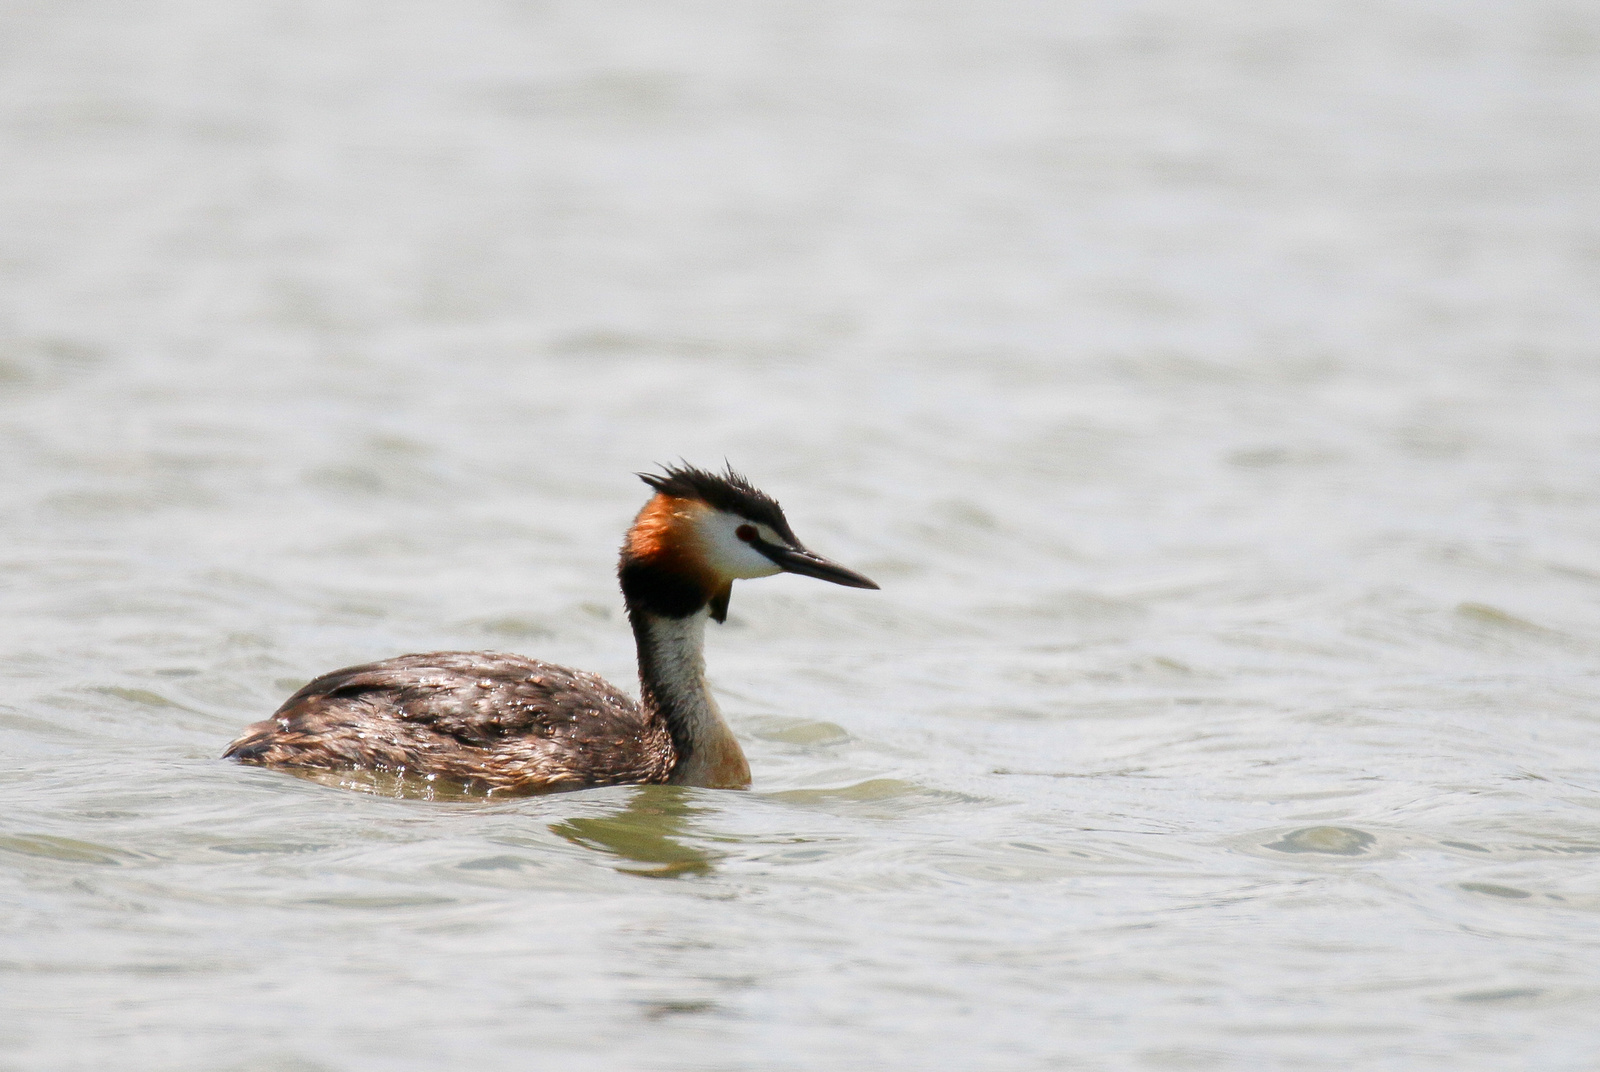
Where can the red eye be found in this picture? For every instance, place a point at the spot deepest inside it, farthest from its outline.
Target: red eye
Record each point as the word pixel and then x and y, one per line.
pixel 747 533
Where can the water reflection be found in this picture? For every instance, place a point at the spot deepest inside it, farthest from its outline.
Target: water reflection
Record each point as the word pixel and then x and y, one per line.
pixel 645 832
pixel 1327 840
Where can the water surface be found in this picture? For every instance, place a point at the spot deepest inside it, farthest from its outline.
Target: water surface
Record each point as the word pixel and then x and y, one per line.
pixel 1213 389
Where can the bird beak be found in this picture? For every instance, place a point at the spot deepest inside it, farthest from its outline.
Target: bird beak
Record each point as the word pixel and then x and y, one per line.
pixel 803 562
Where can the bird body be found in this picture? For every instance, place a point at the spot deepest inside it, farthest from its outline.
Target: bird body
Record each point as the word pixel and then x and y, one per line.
pixel 508 723
pixel 500 721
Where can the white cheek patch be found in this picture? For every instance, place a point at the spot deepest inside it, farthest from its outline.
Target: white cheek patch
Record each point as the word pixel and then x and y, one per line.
pixel 730 556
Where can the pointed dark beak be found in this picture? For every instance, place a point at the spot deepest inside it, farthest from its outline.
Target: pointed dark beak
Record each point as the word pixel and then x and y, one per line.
pixel 803 562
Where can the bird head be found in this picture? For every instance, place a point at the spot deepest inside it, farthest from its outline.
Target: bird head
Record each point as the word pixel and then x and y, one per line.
pixel 702 531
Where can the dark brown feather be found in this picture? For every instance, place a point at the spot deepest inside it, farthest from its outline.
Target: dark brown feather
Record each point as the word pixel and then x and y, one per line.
pixel 500 721
pixel 727 491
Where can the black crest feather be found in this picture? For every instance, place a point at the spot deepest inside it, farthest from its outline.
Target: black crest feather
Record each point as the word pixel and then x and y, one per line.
pixel 727 491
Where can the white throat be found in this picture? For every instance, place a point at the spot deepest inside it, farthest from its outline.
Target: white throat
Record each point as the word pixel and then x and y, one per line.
pixel 672 680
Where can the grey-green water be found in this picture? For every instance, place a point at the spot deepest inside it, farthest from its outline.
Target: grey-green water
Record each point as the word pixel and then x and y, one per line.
pixel 1213 388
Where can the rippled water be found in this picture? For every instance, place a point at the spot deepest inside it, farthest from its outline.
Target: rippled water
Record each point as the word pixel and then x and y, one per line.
pixel 1212 387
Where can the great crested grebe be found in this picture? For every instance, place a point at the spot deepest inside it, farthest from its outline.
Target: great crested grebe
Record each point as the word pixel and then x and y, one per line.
pixel 513 724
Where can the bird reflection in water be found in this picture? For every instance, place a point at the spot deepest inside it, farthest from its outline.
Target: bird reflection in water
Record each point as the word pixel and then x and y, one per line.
pixel 645 832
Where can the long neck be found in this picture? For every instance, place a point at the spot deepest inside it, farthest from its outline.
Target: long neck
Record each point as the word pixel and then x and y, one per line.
pixel 672 683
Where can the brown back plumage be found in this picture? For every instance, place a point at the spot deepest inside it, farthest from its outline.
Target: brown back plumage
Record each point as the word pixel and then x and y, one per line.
pixel 500 721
